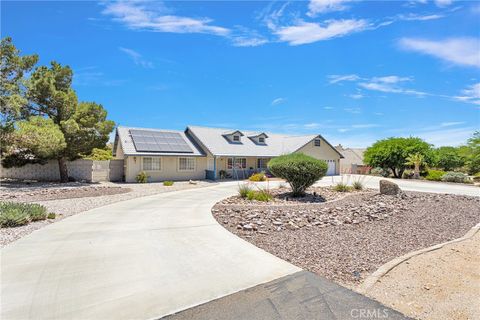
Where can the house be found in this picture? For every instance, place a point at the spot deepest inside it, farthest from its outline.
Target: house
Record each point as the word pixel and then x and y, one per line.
pixel 212 153
pixel 352 161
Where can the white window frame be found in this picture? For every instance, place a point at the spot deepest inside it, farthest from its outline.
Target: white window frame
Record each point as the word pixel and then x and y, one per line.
pixel 264 160
pixel 319 142
pixel 187 168
pixel 237 160
pixel 158 159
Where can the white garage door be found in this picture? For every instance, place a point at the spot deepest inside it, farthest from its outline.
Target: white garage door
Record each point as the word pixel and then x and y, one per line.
pixel 331 167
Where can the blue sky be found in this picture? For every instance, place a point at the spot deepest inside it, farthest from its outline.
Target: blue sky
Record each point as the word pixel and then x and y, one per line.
pixel 352 71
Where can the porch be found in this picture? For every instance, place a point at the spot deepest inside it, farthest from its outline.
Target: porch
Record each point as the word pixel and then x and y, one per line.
pixel 238 167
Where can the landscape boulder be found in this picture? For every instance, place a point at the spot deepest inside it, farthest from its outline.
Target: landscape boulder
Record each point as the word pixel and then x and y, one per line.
pixel 389 188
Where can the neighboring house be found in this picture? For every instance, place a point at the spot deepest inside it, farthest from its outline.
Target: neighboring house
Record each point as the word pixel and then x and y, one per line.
pixel 352 161
pixel 212 153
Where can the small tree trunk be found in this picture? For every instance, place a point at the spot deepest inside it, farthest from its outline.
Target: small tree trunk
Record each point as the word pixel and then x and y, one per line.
pixel 62 166
pixel 416 173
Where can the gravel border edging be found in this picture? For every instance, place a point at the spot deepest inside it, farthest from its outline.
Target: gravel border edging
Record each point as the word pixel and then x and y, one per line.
pixel 387 267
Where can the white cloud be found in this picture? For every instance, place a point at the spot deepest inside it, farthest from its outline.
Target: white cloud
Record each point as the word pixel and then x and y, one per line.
pixel 389 84
pixel 140 15
pixel 470 95
pixel 136 57
pixel 356 96
pixel 334 78
pixel 391 79
pixel 447 137
pixel 277 101
pixel 328 108
pixel 321 6
pixel 443 3
pixel 312 125
pixel 353 110
pixel 417 17
pixel 365 126
pixel 451 124
pixel 460 51
pixel 308 32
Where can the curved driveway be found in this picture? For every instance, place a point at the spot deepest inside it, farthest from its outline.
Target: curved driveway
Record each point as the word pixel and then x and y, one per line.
pixel 141 258
pixel 137 259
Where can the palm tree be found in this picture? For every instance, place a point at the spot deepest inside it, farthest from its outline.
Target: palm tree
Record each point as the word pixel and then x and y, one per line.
pixel 416 160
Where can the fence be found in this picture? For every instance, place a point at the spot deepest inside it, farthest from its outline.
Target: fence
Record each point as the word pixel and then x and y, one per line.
pixel 80 170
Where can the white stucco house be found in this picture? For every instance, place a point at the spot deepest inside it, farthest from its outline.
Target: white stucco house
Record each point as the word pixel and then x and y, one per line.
pixel 212 153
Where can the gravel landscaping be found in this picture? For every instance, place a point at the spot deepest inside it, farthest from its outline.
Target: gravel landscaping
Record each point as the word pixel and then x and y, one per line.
pixel 347 239
pixel 68 199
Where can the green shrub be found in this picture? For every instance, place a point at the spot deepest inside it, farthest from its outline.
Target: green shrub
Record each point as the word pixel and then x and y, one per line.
pixel 258 177
pixel 51 215
pixel 243 190
pixel 435 175
pixel 14 214
pixel 455 177
pixel 260 195
pixel 300 171
pixel 380 172
pixel 168 183
pixel 37 212
pixel 408 174
pixel 142 177
pixel 357 185
pixel 341 187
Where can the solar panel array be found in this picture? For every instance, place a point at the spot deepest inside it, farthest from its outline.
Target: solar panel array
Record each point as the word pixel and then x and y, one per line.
pixel 155 141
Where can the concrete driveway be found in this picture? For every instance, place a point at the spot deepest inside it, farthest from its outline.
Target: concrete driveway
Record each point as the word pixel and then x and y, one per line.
pixel 137 259
pixel 408 185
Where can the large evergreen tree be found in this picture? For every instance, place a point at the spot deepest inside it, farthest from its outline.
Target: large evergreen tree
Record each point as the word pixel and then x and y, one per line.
pixel 51 112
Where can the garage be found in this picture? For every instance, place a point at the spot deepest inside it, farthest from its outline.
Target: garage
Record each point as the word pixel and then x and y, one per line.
pixel 331 167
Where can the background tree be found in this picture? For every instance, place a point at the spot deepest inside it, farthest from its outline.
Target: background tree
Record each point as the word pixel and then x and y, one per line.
pixel 448 158
pixel 415 160
pixel 473 156
pixel 392 153
pixel 13 68
pixel 48 95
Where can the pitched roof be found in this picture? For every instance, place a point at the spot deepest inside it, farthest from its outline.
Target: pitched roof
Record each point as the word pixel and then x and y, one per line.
pixel 125 139
pixel 275 144
pixel 351 155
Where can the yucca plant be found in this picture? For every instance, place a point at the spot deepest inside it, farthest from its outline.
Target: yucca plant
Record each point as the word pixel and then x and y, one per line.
pixel 415 160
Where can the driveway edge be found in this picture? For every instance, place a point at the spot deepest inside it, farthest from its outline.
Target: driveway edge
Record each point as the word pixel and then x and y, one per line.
pixel 387 267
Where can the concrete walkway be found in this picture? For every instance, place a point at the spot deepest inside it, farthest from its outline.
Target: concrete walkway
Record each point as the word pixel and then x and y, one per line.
pixel 137 259
pixel 408 185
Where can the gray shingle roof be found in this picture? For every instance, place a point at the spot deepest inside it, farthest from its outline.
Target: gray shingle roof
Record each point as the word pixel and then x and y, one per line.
pixel 123 137
pixel 275 144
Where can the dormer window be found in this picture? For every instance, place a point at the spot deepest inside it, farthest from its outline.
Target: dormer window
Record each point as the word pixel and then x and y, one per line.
pixel 236 138
pixel 261 140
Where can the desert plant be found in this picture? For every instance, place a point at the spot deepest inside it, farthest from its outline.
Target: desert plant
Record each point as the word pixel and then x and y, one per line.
pixel 299 170
pixel 455 177
pixel 142 177
pixel 168 183
pixel 407 174
pixel 435 175
pixel 243 190
pixel 259 195
pixel 357 185
pixel 13 214
pixel 415 160
pixel 341 187
pixel 258 177
pixel 36 212
pixel 51 215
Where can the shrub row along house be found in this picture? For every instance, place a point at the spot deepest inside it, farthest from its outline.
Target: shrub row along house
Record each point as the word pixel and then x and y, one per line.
pixel 212 153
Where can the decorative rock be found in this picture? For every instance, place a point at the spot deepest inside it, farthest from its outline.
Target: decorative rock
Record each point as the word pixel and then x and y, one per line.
pixel 389 188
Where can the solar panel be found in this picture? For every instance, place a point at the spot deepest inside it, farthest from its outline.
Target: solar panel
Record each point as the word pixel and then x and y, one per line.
pixel 155 141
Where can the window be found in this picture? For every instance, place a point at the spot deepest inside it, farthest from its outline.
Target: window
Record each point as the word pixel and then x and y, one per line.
pixel 236 138
pixel 186 164
pixel 317 142
pixel 262 163
pixel 240 163
pixel 152 164
pixel 261 140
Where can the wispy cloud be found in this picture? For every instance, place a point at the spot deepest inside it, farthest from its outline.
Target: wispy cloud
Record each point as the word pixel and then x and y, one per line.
pixel 245 37
pixel 136 58
pixel 451 124
pixel 307 32
pixel 353 110
pixel 316 7
pixel 443 3
pixel 419 17
pixel 92 76
pixel 470 94
pixel 277 101
pixel 356 96
pixel 153 16
pixel 459 51
pixel 335 78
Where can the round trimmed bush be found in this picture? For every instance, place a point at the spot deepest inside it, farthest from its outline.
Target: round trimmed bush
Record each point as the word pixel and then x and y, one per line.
pixel 455 177
pixel 300 171
pixel 435 175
